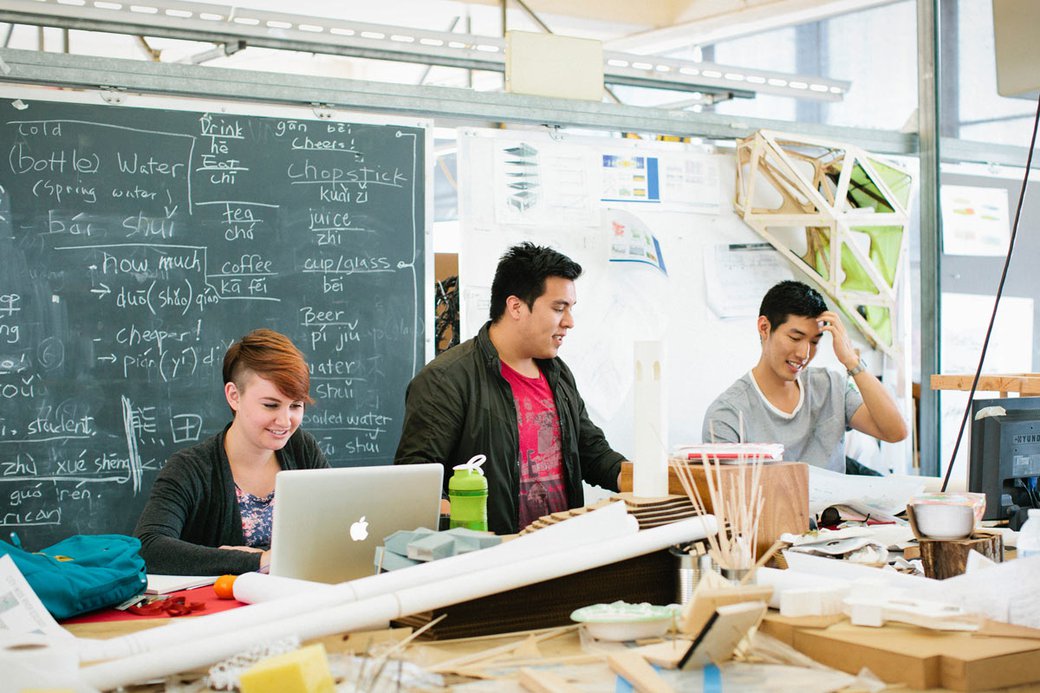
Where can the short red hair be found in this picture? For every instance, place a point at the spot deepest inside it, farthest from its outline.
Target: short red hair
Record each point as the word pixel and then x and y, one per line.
pixel 272 356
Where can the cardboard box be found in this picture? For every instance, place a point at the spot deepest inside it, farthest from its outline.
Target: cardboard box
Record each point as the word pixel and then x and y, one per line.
pixel 920 658
pixel 785 489
pixel 650 578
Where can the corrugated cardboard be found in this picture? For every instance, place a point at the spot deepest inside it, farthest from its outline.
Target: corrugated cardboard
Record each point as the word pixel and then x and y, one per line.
pixel 920 658
pixel 785 491
pixel 650 578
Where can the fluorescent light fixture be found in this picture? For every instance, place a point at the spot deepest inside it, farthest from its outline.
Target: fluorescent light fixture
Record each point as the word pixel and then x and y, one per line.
pixel 406 44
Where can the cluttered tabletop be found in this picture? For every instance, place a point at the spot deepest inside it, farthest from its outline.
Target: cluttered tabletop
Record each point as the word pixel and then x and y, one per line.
pixel 718 585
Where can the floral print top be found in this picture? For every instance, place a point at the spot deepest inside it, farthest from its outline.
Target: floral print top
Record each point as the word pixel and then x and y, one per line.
pixel 256 518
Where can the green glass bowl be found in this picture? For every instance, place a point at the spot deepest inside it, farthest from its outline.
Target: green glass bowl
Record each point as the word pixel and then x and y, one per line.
pixel 623 621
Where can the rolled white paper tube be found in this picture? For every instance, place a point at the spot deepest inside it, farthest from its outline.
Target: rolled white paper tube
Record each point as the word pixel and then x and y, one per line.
pixel 851 572
pixel 497 577
pixel 253 588
pixel 34 661
pixel 650 462
pixel 597 525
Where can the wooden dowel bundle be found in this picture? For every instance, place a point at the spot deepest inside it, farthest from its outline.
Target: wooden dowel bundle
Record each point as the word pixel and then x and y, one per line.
pixel 736 505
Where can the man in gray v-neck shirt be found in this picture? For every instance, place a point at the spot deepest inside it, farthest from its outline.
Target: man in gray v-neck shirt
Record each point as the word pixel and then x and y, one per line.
pixel 808 410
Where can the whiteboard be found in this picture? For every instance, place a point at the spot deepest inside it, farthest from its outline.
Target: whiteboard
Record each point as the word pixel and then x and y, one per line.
pixel 622 302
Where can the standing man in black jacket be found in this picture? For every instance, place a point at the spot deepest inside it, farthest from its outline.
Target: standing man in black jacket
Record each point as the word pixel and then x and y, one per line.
pixel 505 394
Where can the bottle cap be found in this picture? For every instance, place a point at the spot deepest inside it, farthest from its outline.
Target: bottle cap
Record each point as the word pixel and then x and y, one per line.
pixel 473 465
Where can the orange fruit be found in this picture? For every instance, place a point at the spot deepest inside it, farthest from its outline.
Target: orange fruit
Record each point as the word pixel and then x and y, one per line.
pixel 224 586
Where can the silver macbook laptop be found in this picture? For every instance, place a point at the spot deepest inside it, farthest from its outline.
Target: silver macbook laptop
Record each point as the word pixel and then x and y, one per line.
pixel 328 522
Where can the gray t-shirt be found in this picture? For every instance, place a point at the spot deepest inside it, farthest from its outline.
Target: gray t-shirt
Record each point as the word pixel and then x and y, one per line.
pixel 813 433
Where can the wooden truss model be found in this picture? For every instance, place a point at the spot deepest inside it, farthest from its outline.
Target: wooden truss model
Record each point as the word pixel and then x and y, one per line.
pixel 853 209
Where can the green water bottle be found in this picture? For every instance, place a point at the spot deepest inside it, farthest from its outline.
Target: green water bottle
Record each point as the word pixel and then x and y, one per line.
pixel 468 493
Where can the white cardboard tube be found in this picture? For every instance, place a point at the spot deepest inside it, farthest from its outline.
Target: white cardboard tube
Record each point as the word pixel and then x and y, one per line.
pixel 30 661
pixel 254 588
pixel 650 462
pixel 599 524
pixel 498 577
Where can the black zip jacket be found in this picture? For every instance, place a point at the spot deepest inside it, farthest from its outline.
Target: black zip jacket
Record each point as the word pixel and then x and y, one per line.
pixel 459 405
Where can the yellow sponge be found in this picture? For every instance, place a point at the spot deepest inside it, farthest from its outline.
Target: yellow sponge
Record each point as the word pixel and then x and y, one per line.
pixel 305 670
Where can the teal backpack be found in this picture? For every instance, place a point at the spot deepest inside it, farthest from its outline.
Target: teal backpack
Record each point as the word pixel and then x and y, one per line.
pixel 82 573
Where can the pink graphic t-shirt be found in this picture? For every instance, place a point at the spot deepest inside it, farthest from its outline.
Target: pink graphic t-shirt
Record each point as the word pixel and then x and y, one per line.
pixel 541 461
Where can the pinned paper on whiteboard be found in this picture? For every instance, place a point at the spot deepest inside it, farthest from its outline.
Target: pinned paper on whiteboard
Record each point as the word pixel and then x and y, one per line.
pixel 975 221
pixel 538 187
pixel 632 241
pixel 738 275
pixel 630 177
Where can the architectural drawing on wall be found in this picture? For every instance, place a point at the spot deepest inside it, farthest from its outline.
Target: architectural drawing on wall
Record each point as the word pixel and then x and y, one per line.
pixel 630 178
pixel 975 221
pixel 852 209
pixel 632 241
pixel 543 187
pixel 522 172
pixel 738 275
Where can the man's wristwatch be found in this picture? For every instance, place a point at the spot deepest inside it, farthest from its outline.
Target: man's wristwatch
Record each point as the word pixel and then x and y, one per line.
pixel 860 367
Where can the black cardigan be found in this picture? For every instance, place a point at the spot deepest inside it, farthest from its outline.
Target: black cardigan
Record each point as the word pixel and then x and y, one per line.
pixel 192 509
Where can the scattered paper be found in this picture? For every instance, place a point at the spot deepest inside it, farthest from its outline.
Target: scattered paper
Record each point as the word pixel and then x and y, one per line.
pixel 164 584
pixel 866 494
pixel 21 611
pixel 1004 592
pixel 848 571
pixel 889 536
pixel 727 453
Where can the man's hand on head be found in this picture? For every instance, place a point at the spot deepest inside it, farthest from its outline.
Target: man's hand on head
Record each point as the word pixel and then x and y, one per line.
pixel 843 349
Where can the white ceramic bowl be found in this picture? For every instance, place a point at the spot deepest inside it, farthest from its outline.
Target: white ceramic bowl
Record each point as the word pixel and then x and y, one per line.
pixel 622 621
pixel 944 521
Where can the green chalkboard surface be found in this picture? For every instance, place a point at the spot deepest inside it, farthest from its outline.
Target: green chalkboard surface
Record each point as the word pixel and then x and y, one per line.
pixel 137 244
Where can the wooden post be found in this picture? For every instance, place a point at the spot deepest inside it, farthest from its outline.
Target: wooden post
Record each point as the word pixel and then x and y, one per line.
pixel 945 558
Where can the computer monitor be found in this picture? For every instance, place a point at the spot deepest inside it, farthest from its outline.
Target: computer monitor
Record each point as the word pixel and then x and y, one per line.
pixel 1005 457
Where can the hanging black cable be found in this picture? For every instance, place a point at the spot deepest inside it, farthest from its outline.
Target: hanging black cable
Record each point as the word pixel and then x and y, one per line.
pixel 996 302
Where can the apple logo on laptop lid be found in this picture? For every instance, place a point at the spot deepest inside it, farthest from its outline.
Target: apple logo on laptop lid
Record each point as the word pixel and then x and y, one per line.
pixel 359 530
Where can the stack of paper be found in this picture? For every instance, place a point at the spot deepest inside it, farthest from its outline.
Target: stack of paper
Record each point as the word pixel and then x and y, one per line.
pixel 732 452
pixel 164 584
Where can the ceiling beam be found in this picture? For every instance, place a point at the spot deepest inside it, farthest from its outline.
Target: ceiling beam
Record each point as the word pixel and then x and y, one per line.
pixel 707 23
pixel 453 104
pixel 649 13
pixel 231 26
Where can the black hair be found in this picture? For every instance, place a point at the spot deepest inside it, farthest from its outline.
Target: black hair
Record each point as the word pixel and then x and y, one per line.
pixel 522 271
pixel 791 298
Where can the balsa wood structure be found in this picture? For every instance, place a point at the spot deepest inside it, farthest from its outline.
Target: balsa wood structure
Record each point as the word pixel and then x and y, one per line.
pixel 853 210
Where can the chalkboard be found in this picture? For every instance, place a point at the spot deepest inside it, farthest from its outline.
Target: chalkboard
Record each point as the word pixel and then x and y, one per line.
pixel 136 244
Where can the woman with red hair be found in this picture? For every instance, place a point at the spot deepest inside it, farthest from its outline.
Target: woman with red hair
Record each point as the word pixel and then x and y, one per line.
pixel 209 512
